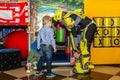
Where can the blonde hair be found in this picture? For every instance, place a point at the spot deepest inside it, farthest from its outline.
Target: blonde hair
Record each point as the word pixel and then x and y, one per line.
pixel 46 19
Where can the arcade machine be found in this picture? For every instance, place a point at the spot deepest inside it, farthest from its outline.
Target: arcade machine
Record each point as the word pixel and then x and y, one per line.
pixel 14 19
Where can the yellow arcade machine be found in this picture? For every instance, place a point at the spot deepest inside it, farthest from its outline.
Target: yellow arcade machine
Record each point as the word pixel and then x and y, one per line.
pixel 106 45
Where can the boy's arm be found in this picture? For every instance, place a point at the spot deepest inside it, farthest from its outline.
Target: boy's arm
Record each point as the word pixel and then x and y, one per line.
pixel 53 40
pixel 38 40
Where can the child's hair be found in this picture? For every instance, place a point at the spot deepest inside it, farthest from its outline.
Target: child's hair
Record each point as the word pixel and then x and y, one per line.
pixel 46 19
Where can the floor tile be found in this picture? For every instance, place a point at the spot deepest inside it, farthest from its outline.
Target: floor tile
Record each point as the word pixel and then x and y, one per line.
pixel 4 76
pixel 20 72
pixel 100 76
pixel 43 77
pixel 118 74
pixel 18 79
pixel 107 69
pixel 70 78
pixel 30 77
pixel 92 76
pixel 115 78
pixel 64 71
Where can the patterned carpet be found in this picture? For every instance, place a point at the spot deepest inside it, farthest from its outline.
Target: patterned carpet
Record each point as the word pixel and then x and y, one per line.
pixel 64 73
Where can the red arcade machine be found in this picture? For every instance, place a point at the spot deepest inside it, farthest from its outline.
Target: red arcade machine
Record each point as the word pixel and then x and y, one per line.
pixel 14 17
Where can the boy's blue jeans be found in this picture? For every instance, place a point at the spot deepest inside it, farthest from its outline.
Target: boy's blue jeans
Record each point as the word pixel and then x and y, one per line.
pixel 46 52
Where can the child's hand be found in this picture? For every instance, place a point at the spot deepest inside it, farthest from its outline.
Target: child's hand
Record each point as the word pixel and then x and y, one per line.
pixel 38 47
pixel 55 50
pixel 30 32
pixel 76 54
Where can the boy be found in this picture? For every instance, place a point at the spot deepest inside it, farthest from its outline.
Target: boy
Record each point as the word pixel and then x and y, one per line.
pixel 46 47
pixel 33 56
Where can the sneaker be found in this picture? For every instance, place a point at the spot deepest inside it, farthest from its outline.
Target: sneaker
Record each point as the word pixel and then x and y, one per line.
pixel 28 71
pixel 34 65
pixel 28 67
pixel 39 73
pixel 50 75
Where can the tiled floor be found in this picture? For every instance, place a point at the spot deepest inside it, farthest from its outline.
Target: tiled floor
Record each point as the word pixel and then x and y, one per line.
pixel 64 73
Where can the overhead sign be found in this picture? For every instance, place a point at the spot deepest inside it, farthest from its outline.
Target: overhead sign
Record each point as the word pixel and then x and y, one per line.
pixel 14 13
